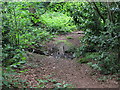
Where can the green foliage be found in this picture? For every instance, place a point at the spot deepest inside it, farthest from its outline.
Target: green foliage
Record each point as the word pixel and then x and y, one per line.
pixel 56 84
pixel 31 23
pixel 104 39
pixel 57 22
pixel 83 60
pixel 102 79
pixel 9 81
pixel 18 33
pixel 35 36
pixel 107 43
pixel 12 56
pixel 107 77
pixel 42 81
pixel 79 11
pixel 88 57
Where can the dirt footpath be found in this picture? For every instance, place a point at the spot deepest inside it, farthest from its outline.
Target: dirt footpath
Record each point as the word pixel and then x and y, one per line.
pixel 61 70
pixel 67 70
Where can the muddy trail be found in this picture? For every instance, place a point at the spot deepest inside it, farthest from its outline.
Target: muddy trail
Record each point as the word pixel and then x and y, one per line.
pixel 59 67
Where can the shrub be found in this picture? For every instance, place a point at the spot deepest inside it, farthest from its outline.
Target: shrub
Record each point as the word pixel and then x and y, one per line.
pixel 35 36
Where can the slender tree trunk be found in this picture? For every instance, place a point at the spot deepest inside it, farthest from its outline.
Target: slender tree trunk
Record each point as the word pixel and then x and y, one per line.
pixel 98 11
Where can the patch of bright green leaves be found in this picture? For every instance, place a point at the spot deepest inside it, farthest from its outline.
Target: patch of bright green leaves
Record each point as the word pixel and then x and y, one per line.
pixel 56 84
pixel 58 22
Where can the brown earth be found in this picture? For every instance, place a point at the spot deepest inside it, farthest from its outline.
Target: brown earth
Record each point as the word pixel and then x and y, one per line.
pixel 79 75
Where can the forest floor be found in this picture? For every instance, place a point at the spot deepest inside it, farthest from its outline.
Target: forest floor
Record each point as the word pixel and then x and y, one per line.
pixel 50 72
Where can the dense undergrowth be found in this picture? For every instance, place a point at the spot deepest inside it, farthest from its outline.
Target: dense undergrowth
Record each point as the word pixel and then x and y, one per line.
pixel 26 24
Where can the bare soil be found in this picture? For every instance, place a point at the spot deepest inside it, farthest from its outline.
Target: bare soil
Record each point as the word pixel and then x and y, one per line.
pixel 79 75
